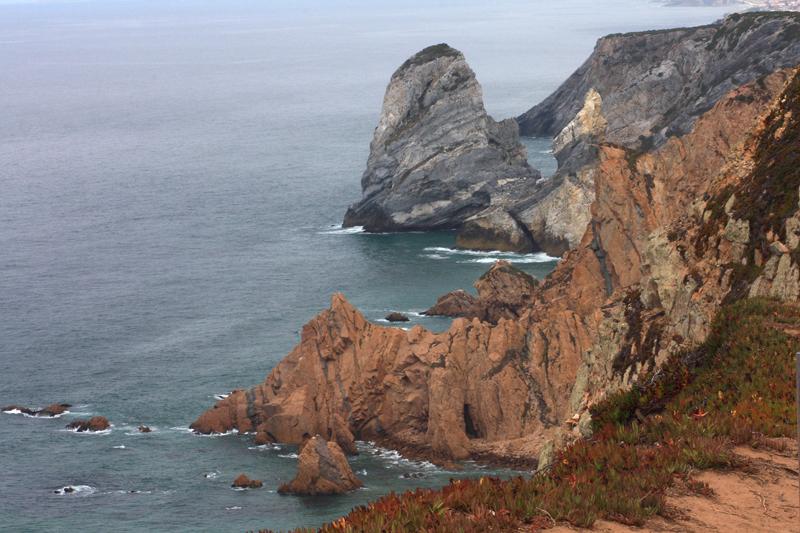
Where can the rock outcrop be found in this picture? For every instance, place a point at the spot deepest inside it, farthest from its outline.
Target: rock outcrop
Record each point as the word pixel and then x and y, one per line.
pixel 674 232
pixel 322 469
pixel 96 423
pixel 397 317
pixel 244 482
pixel 51 411
pixel 437 157
pixel 503 292
pixel 636 90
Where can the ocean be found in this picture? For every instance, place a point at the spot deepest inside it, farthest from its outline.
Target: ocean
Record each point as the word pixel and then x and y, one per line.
pixel 172 179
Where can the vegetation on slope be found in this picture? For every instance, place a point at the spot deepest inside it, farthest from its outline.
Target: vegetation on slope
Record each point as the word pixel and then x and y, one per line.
pixel 738 388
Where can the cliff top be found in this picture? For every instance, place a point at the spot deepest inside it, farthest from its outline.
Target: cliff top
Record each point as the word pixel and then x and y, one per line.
pixel 429 54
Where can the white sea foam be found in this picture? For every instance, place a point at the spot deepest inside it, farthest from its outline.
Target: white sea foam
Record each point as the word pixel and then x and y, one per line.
pixel 120 447
pixel 183 429
pixel 337 229
pixel 234 508
pixel 475 256
pixel 393 458
pixel 26 415
pixel 288 455
pixel 211 475
pixel 221 396
pixel 75 490
pixel 265 447
pixel 75 430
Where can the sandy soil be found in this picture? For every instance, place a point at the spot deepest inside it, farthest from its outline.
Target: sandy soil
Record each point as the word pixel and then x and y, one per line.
pixel 763 497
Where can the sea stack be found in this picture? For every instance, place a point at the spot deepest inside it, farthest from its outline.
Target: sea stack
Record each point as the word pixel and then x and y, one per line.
pixel 322 469
pixel 437 157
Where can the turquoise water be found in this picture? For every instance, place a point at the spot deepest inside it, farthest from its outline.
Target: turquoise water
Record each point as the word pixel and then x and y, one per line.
pixel 171 178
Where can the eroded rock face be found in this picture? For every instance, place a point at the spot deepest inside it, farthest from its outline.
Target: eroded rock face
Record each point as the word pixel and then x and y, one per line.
pixel 503 292
pixel 437 157
pixel 654 265
pixel 322 469
pixel 636 91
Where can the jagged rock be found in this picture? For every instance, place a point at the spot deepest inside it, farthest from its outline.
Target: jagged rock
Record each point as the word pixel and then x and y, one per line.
pixel 244 482
pixel 454 304
pixel 96 423
pixel 778 248
pixel 396 317
pixel 649 275
pixel 503 292
pixel 436 157
pixel 145 429
pixel 495 229
pixel 322 469
pixel 636 90
pixel 262 437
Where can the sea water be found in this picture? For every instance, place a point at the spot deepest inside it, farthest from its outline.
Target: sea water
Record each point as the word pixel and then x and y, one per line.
pixel 172 177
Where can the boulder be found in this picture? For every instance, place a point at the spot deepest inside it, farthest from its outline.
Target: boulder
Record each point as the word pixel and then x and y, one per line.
pixel 503 292
pixel 396 317
pixel 455 304
pixel 244 482
pixel 96 423
pixel 322 469
pixel 54 409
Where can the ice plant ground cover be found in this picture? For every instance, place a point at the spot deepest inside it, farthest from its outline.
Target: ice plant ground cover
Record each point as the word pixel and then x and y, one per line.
pixel 738 388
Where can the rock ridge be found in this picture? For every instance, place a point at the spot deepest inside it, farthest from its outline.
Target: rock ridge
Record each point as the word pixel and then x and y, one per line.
pixel 675 231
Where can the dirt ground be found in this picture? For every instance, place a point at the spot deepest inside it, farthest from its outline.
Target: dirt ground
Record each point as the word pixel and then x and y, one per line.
pixel 765 496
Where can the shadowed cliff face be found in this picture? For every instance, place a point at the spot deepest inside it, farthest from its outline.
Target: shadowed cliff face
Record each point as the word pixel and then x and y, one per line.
pixel 673 233
pixel 636 90
pixel 437 157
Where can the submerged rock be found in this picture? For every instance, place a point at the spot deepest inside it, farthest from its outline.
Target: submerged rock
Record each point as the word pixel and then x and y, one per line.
pixel 144 429
pixel 244 482
pixel 437 157
pixel 322 469
pixel 52 410
pixel 397 317
pixel 96 423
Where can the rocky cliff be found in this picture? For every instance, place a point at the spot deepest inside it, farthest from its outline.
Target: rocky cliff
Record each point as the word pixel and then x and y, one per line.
pixel 437 157
pixel 636 90
pixel 676 230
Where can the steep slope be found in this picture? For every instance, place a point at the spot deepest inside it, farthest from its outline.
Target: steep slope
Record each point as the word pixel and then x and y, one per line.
pixel 673 234
pixel 437 157
pixel 636 90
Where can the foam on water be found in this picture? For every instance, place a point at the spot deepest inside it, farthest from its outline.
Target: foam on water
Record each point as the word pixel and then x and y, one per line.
pixel 475 256
pixel 288 455
pixel 337 229
pixel 75 490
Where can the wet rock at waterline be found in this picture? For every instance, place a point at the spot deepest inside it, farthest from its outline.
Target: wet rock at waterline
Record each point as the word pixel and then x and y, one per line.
pixel 322 469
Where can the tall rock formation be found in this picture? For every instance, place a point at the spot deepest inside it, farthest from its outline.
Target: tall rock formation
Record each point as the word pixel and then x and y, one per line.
pixel 636 90
pixel 437 157
pixel 709 216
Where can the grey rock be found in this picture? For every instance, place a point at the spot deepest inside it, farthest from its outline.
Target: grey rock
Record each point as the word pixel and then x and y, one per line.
pixel 636 91
pixel 437 158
